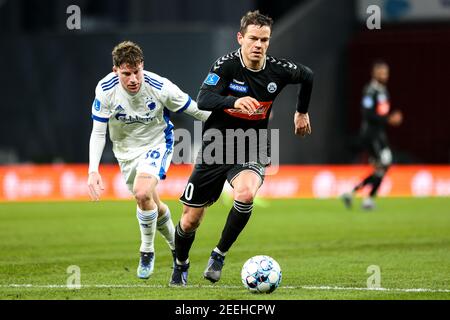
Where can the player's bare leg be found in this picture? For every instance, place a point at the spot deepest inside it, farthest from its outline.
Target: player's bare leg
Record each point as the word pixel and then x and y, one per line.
pixel 184 237
pixel 147 214
pixel 245 186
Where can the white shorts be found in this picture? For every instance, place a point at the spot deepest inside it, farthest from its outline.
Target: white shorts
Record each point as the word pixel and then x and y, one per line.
pixel 156 161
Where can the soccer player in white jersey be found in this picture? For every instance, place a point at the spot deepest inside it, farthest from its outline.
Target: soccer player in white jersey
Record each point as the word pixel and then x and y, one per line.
pixel 136 104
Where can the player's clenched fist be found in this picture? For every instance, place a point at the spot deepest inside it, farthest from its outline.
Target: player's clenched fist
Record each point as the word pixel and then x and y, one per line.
pixel 248 104
pixel 395 118
pixel 301 123
pixel 95 186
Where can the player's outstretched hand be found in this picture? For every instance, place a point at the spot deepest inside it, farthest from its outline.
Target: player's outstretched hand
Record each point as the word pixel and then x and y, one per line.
pixel 301 123
pixel 95 186
pixel 248 104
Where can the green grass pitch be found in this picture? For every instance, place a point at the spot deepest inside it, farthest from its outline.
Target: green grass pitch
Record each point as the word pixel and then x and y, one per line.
pixel 323 249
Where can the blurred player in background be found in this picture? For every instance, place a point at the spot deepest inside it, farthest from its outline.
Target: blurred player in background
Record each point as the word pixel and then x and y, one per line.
pixel 136 104
pixel 376 114
pixel 239 90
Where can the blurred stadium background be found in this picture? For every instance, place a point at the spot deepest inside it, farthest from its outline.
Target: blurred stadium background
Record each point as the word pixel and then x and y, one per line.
pixel 50 72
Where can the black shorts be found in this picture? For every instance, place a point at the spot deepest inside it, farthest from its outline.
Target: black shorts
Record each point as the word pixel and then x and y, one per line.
pixel 206 181
pixel 379 151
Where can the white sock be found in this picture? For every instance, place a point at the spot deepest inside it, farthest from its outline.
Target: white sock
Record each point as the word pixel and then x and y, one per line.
pixel 147 224
pixel 216 250
pixel 167 229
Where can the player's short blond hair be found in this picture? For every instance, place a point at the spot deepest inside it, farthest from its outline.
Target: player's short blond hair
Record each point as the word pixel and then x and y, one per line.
pixel 255 18
pixel 127 52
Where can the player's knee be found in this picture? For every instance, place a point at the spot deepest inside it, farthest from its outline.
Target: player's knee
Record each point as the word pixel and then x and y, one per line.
pixel 386 157
pixel 188 224
pixel 162 208
pixel 244 194
pixel 381 170
pixel 142 196
pixel 191 218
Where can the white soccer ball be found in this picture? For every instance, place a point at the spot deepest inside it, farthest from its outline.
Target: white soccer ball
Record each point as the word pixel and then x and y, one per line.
pixel 261 274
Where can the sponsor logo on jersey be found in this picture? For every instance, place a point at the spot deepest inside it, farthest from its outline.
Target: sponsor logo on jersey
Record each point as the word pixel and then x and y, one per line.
pixel 383 108
pixel 211 79
pixel 383 105
pixel 239 82
pixel 132 119
pixel 259 114
pixel 238 87
pixel 272 87
pixel 96 105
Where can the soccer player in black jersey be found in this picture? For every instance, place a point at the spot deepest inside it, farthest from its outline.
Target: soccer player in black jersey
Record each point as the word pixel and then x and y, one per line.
pixel 375 115
pixel 239 90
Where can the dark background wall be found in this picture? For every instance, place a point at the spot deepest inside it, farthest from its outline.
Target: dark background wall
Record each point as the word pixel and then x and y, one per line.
pixel 419 58
pixel 49 72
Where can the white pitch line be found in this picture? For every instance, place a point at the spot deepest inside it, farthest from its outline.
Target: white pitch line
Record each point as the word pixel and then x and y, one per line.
pixel 130 286
pixel 374 289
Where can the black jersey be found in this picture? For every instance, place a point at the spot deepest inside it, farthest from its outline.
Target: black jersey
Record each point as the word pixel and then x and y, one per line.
pixel 375 110
pixel 229 80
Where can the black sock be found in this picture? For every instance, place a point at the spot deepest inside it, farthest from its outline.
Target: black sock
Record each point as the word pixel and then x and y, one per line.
pixel 367 180
pixel 236 221
pixel 375 185
pixel 183 243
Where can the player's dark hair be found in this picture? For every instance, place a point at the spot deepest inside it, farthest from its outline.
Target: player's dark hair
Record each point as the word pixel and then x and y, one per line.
pixel 127 52
pixel 379 63
pixel 255 18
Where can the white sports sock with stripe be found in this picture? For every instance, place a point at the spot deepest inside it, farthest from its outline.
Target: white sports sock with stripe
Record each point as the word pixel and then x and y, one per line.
pixel 147 224
pixel 167 229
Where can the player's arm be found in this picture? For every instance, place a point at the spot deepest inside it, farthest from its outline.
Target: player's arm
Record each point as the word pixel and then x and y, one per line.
pixel 96 146
pixel 100 117
pixel 212 93
pixel 195 112
pixel 180 102
pixel 209 100
pixel 300 74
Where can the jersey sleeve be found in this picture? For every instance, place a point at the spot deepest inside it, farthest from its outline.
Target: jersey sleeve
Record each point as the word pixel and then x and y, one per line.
pixel 296 73
pixel 100 107
pixel 212 94
pixel 174 98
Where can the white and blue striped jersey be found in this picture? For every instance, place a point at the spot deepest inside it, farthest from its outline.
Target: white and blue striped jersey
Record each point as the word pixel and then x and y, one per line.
pixel 141 121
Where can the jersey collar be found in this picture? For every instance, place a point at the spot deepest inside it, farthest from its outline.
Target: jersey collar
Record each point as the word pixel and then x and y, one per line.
pixel 244 66
pixel 378 85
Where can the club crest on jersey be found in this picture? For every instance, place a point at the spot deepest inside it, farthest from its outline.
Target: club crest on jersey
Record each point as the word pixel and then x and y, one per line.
pixel 238 87
pixel 97 105
pixel 150 104
pixel 272 87
pixel 211 79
